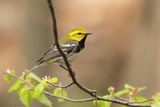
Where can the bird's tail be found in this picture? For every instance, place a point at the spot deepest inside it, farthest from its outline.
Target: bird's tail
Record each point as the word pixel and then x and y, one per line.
pixel 33 69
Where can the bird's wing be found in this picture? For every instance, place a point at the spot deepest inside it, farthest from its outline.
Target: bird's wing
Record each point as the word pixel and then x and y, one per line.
pixel 53 53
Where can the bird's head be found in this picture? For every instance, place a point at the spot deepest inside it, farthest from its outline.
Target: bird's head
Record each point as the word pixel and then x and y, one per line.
pixel 78 34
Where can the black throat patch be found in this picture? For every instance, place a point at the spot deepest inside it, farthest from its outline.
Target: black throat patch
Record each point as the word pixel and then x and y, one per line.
pixel 81 45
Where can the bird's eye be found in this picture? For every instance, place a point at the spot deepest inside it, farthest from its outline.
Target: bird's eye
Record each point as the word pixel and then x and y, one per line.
pixel 79 33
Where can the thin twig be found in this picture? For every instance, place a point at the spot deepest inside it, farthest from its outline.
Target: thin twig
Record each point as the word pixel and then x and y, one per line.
pixel 18 78
pixel 126 103
pixel 131 104
pixel 69 99
pixel 146 101
pixel 61 86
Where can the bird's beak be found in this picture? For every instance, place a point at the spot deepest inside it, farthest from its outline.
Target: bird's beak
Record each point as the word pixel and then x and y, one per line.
pixel 88 33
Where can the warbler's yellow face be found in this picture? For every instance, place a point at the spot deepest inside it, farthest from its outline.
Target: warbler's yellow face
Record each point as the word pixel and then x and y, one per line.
pixel 78 34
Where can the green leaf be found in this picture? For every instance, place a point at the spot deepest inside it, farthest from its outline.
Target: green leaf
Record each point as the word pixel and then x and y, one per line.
pixel 25 96
pixel 140 99
pixel 8 78
pixel 141 89
pixel 155 104
pixel 57 92
pixel 64 94
pixel 127 86
pixel 38 90
pixel 44 100
pixel 121 92
pixel 15 86
pixel 35 77
pixel 44 83
pixel 60 92
pixel 104 103
pixel 40 96
pixel 54 80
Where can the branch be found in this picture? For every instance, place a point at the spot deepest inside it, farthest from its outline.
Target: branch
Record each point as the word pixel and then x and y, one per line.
pixel 61 86
pixel 131 104
pixel 69 99
pixel 73 76
pixel 98 98
pixel 48 93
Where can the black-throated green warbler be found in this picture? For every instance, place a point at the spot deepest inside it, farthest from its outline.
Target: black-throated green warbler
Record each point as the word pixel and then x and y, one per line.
pixel 71 44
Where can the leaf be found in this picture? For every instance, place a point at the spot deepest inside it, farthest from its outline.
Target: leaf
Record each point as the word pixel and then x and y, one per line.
pixel 155 104
pixel 44 83
pixel 35 77
pixel 141 89
pixel 8 78
pixel 38 90
pixel 60 92
pixel 139 99
pixel 44 100
pixel 25 96
pixel 64 94
pixel 111 90
pixel 104 103
pixel 121 92
pixel 54 80
pixel 57 92
pixel 15 86
pixel 127 86
pixel 40 96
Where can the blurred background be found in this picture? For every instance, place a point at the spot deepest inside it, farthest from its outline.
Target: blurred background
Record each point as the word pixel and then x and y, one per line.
pixel 124 47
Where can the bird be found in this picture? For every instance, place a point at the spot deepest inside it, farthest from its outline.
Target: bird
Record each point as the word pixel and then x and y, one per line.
pixel 71 44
